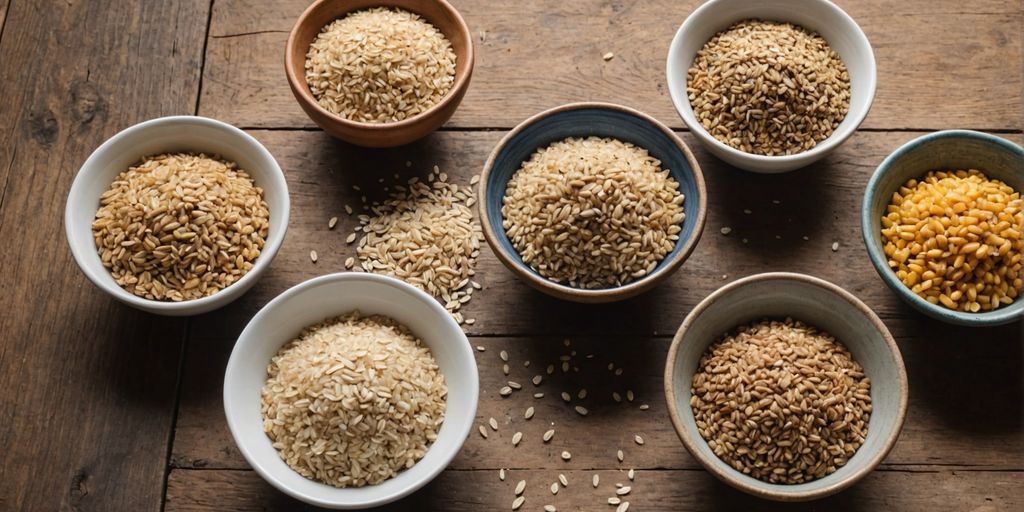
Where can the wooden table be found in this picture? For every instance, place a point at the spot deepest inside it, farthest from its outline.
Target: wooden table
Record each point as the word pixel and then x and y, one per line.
pixel 106 408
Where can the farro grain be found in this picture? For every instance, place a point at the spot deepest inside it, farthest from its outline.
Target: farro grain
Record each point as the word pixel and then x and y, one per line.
pixel 781 402
pixel 177 227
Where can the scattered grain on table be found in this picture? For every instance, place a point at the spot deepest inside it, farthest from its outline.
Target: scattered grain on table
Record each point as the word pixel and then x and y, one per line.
pixel 424 235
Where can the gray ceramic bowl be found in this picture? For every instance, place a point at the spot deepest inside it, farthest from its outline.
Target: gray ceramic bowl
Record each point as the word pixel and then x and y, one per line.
pixel 584 120
pixel 814 302
pixel 953 149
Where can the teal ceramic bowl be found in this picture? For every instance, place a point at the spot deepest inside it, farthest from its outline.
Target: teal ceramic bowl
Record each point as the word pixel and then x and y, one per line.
pixel 998 158
pixel 585 120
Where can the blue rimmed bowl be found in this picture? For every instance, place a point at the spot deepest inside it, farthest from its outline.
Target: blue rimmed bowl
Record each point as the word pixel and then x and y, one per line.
pixel 585 120
pixel 998 158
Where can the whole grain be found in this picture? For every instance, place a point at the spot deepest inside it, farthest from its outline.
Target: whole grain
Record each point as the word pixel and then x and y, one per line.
pixel 781 402
pixel 955 238
pixel 592 213
pixel 425 235
pixel 380 65
pixel 768 88
pixel 177 227
pixel 353 401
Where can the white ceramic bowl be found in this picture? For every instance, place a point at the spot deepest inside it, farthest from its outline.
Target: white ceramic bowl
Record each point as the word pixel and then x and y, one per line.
pixel 817 303
pixel 314 301
pixel 821 16
pixel 170 134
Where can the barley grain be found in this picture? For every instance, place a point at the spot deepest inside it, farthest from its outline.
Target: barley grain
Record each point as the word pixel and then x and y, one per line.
pixel 592 213
pixel 379 65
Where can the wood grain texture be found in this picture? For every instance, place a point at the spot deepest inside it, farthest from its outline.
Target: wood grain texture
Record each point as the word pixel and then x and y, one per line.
pixel 472 491
pixel 821 202
pixel 88 385
pixel 981 432
pixel 4 5
pixel 939 66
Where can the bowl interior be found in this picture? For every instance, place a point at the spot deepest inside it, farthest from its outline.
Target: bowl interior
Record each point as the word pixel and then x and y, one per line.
pixel 599 122
pixel 167 135
pixel 310 303
pixel 816 305
pixel 950 150
pixel 823 17
pixel 320 14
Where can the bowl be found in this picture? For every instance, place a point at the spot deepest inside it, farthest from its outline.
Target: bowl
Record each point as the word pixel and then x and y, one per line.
pixel 583 120
pixel 162 135
pixel 815 302
pixel 379 135
pixel 821 16
pixel 951 149
pixel 310 302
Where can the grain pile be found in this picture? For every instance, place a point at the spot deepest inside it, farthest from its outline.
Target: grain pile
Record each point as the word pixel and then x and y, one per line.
pixel 768 88
pixel 380 65
pixel 592 213
pixel 178 227
pixel 425 234
pixel 781 402
pixel 954 238
pixel 353 401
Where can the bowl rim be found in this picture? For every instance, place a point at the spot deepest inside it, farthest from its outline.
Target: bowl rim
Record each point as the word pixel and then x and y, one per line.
pixel 821 148
pixel 870 233
pixel 600 294
pixel 98 275
pixel 723 471
pixel 299 85
pixel 461 433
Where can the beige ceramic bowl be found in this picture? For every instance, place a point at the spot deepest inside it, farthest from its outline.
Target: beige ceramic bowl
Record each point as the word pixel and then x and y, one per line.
pixel 438 12
pixel 815 302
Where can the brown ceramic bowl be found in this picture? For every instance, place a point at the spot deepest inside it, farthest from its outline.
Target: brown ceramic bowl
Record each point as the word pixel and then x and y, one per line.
pixel 379 135
pixel 815 302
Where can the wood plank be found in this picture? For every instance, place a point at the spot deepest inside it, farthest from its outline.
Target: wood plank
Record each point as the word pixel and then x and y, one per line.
pixel 821 202
pixel 4 5
pixel 457 491
pixel 982 431
pixel 89 385
pixel 927 52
